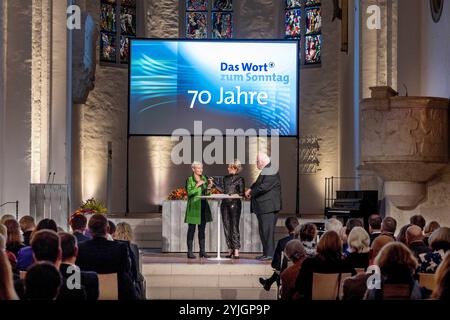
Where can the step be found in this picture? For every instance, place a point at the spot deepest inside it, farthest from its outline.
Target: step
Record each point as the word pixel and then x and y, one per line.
pixel 163 293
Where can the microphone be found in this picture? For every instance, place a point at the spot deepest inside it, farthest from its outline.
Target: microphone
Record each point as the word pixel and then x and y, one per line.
pixel 48 179
pixel 53 180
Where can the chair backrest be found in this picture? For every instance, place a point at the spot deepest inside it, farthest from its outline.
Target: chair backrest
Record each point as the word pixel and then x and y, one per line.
pixel 108 287
pixel 427 280
pixel 328 286
pixel 22 275
pixel 396 292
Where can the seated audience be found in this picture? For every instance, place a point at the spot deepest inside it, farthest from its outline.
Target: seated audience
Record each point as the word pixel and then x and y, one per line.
pixel 124 233
pixel 388 227
pixel 307 234
pixel 333 224
pixel 397 266
pixel 279 264
pixel 439 245
pixel 14 240
pixel 78 224
pixel 414 240
pixel 6 217
pixel 7 291
pixel 42 282
pixel 354 288
pixel 11 257
pixel 89 280
pixel 27 226
pixel 106 257
pixel 429 229
pixel 296 253
pixel 358 248
pixel 351 223
pixel 442 291
pixel 25 256
pixel 328 260
pixel 374 226
pixel 401 237
pixel 418 220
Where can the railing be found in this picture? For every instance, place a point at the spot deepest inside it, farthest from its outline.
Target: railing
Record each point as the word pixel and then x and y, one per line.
pixel 17 207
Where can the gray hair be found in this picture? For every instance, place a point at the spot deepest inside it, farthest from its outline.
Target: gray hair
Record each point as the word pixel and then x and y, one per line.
pixel 333 224
pixel 295 250
pixel 196 164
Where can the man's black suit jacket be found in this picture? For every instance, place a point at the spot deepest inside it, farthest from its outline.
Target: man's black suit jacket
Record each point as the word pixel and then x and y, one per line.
pixel 266 193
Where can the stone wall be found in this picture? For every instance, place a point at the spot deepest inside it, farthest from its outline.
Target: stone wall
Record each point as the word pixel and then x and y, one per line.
pixel 103 117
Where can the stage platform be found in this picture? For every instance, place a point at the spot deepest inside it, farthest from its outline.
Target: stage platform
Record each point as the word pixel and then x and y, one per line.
pixel 173 276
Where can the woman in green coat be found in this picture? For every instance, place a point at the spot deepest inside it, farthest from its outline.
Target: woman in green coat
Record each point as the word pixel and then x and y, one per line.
pixel 197 210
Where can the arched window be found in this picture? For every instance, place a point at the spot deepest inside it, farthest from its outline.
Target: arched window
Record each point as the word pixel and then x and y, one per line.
pixel 303 21
pixel 208 19
pixel 117 25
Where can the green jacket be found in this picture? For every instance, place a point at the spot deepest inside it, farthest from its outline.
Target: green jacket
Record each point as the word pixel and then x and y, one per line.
pixel 194 204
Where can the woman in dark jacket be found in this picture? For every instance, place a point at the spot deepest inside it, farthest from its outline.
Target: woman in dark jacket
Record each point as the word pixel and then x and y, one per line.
pixel 233 184
pixel 329 259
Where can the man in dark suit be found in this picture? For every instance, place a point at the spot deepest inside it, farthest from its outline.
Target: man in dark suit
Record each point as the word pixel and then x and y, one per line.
pixel 78 224
pixel 88 279
pixel 414 239
pixel 265 196
pixel 106 257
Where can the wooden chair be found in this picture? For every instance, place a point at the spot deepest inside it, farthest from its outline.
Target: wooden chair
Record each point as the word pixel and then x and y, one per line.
pixel 427 280
pixel 396 292
pixel 108 287
pixel 328 286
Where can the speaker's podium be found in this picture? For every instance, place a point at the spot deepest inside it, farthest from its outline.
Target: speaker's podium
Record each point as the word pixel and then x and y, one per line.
pixel 50 201
pixel 353 204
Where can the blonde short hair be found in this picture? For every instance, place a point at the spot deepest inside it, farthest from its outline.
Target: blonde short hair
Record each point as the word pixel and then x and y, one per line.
pixel 236 164
pixel 124 232
pixel 3 230
pixel 2 243
pixel 359 240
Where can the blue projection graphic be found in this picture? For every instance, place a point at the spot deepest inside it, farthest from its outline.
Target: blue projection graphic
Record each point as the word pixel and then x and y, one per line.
pixel 225 84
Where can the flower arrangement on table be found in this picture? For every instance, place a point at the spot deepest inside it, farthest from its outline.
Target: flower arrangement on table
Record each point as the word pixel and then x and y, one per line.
pixel 181 193
pixel 90 207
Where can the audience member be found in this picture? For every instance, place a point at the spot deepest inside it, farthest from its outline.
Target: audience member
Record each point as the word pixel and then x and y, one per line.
pixel 88 280
pixel 106 257
pixel 307 234
pixel 354 288
pixel 397 266
pixel 388 227
pixel 333 224
pixel 111 230
pixel 418 220
pixel 11 257
pixel 374 226
pixel 25 256
pixel 351 223
pixel 14 240
pixel 414 240
pixel 328 260
pixel 279 264
pixel 78 224
pixel 442 291
pixel 42 282
pixel 358 248
pixel 7 291
pixel 401 236
pixel 6 217
pixel 429 229
pixel 439 245
pixel 27 226
pixel 124 233
pixel 296 253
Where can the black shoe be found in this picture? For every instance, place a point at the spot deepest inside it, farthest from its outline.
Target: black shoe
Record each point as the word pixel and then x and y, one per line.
pixel 265 283
pixel 260 257
pixel 204 255
pixel 190 255
pixel 265 258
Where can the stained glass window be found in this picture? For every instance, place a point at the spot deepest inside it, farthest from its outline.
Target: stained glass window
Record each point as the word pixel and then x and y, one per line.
pixel 118 24
pixel 303 21
pixel 213 18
